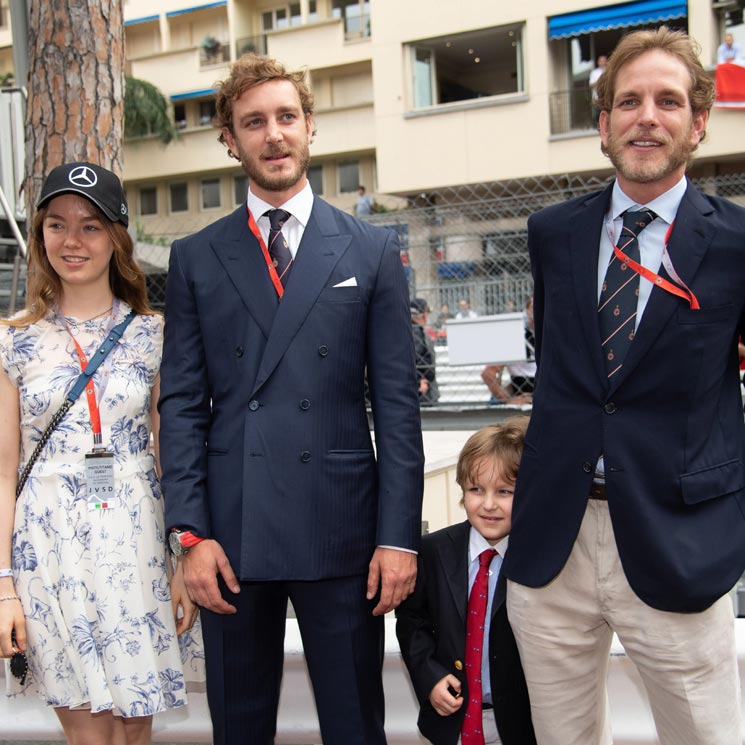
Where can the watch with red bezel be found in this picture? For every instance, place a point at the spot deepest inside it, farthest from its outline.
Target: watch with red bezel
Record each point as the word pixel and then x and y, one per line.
pixel 181 541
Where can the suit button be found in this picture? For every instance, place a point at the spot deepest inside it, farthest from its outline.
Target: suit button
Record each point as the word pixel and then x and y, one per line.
pixel 239 351
pixel 305 404
pixel 304 456
pixel 253 405
pixel 609 408
pixel 587 467
pixel 323 350
pixel 458 665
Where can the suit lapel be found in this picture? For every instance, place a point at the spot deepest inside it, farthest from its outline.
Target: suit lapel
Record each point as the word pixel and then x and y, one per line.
pixel 240 255
pixel 454 559
pixel 585 227
pixel 320 250
pixel 689 242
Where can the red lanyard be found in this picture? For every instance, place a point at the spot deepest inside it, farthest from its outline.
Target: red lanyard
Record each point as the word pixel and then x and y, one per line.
pixel 254 228
pixel 90 395
pixel 683 291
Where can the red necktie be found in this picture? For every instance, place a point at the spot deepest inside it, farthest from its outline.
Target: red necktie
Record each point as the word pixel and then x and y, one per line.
pixel 278 248
pixel 471 732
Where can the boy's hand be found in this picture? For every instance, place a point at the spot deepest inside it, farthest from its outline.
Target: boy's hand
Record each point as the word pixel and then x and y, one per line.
pixel 442 700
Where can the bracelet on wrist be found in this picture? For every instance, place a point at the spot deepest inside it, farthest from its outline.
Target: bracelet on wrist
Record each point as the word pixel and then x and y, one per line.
pixel 6 572
pixel 9 597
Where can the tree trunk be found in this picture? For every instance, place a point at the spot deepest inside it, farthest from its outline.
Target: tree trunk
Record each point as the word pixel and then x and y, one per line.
pixel 76 88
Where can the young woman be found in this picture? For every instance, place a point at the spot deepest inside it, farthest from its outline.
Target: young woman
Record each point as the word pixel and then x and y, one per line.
pixel 84 584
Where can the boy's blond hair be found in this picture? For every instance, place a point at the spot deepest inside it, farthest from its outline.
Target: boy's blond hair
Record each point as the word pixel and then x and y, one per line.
pixel 500 442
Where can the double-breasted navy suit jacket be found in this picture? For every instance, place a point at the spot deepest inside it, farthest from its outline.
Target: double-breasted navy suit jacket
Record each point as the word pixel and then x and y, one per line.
pixel 265 441
pixel 431 630
pixel 670 424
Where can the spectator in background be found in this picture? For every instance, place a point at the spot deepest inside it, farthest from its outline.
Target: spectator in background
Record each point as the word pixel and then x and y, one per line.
pixel 424 353
pixel 594 77
pixel 440 324
pixel 365 203
pixel 464 309
pixel 522 374
pixel 729 50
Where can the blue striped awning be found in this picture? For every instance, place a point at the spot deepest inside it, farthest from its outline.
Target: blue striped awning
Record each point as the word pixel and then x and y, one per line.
pixel 219 4
pixel 608 17
pixel 192 94
pixel 144 19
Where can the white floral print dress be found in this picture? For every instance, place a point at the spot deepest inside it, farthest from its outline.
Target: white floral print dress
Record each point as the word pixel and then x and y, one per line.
pixel 93 583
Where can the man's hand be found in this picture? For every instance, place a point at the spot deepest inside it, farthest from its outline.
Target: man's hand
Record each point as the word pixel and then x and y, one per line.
pixel 443 702
pixel 202 563
pixel 395 573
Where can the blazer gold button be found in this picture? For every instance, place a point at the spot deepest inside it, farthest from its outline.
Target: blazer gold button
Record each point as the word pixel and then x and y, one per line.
pixel 458 665
pixel 253 404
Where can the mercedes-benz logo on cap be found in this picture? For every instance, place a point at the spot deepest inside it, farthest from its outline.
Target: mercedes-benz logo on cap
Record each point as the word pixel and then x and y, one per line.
pixel 83 176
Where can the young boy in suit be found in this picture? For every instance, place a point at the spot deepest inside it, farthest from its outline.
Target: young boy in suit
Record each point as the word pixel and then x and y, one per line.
pixel 453 630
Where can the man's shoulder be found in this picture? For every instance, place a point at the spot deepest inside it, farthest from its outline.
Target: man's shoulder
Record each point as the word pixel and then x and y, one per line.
pixel 224 226
pixel 562 210
pixel 728 211
pixel 349 224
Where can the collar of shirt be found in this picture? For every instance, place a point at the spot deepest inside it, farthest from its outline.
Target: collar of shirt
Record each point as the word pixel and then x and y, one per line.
pixel 299 207
pixel 651 239
pixel 477 543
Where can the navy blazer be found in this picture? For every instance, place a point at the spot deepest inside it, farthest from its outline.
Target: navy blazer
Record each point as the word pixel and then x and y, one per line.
pixel 431 630
pixel 670 425
pixel 264 437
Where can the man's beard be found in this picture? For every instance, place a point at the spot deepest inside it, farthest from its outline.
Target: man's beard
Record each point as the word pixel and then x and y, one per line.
pixel 274 182
pixel 678 153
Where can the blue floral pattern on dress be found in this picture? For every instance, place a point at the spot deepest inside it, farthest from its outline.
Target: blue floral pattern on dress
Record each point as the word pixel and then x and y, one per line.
pixel 94 583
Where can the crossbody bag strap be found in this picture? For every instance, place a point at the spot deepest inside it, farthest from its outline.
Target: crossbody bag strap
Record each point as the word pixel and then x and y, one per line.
pixel 103 352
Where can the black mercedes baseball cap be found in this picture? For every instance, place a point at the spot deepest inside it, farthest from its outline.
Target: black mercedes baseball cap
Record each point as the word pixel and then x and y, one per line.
pixel 97 184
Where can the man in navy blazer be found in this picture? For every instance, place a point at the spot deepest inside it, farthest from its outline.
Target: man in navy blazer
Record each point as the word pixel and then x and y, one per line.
pixel 272 487
pixel 629 502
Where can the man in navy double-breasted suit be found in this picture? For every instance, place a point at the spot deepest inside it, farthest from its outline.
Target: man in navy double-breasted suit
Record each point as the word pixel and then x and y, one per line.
pixel 274 320
pixel 629 504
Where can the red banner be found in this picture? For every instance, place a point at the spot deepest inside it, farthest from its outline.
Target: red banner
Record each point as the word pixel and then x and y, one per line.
pixel 730 81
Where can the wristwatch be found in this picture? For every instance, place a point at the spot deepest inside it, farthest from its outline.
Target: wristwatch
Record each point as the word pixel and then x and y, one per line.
pixel 180 541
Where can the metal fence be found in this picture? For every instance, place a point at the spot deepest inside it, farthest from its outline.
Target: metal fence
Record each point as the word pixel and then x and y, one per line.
pixel 465 244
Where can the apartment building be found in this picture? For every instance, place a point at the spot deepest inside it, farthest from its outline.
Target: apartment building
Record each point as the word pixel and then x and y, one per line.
pixel 411 96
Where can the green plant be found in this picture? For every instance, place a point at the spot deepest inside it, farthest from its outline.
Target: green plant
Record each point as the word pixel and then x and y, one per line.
pixel 146 111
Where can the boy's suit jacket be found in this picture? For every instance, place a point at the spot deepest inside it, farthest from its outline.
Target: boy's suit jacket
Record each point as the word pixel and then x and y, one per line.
pixel 431 629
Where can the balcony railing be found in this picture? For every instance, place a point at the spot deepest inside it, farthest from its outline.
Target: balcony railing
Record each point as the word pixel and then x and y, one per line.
pixel 213 52
pixel 570 111
pixel 255 44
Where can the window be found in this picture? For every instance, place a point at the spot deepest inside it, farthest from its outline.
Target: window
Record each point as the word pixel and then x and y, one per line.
pixel 179 197
pixel 273 20
pixel 295 18
pixel 179 115
pixel 206 112
pixel 356 15
pixel 148 200
pixel 210 193
pixel 240 189
pixel 465 67
pixel 315 176
pixel 349 176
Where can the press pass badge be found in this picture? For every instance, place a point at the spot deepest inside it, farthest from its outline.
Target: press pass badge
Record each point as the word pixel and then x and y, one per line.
pixel 99 474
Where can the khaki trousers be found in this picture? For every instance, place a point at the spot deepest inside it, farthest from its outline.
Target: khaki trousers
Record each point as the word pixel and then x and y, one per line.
pixel 687 661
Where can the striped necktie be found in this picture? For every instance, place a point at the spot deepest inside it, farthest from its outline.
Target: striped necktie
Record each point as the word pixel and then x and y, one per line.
pixel 620 293
pixel 278 248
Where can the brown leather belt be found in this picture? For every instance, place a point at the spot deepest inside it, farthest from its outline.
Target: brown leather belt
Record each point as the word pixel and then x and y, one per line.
pixel 597 491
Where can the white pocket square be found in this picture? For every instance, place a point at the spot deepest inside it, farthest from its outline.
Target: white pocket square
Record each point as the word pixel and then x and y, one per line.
pixel 351 282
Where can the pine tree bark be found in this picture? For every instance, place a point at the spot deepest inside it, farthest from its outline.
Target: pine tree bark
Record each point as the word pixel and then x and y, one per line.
pixel 76 88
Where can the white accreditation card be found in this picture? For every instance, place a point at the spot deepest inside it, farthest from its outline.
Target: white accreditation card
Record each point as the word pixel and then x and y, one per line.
pixel 99 474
